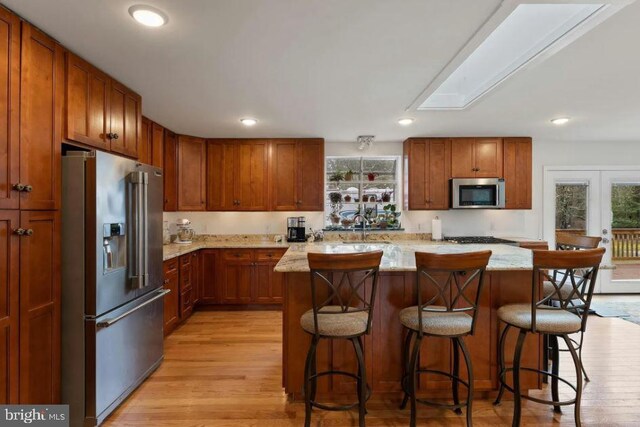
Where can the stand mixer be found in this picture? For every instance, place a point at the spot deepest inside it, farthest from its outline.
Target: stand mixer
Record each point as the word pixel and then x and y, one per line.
pixel 185 233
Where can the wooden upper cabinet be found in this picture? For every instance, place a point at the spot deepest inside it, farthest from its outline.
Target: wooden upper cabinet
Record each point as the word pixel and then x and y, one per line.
pixel 252 175
pixel 310 180
pixel 157 145
pixel 9 313
pixel 125 119
pixel 462 158
pixel 238 175
pixel 192 186
pixel 9 110
pixel 427 172
pixel 297 175
pixel 517 172
pixel 41 114
pixel 218 196
pixel 87 103
pixel 40 308
pixel 488 157
pixel 102 113
pixel 476 158
pixel 170 171
pixel 283 176
pixel 144 147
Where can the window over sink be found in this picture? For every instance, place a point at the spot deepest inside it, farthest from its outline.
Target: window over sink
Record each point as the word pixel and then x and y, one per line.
pixel 367 186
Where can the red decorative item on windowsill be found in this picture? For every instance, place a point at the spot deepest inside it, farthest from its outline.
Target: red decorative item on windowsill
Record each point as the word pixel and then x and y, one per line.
pixel 372 176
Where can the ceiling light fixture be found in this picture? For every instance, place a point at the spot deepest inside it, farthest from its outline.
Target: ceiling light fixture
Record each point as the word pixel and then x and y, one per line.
pixel 365 141
pixel 148 16
pixel 560 120
pixel 405 122
pixel 520 33
pixel 248 122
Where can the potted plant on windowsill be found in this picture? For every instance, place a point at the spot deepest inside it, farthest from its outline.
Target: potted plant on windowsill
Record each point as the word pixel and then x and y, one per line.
pixel 386 197
pixel 335 202
pixel 348 176
pixel 391 216
pixel 336 177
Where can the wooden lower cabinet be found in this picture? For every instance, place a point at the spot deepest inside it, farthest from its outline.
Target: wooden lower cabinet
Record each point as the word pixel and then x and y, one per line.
pixel 171 300
pixel 9 314
pixel 40 307
pixel 208 272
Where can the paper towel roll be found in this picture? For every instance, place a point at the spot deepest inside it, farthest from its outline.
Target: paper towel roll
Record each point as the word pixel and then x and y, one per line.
pixel 436 229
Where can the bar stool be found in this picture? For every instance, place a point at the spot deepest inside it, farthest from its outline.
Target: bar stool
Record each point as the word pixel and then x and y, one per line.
pixel 450 313
pixel 580 270
pixel 565 242
pixel 343 290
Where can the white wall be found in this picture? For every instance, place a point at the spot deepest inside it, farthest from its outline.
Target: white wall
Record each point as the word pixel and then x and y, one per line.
pixel 497 223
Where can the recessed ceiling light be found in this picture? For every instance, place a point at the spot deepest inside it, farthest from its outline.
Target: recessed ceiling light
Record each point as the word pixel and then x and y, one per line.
pixel 248 122
pixel 148 16
pixel 560 120
pixel 405 122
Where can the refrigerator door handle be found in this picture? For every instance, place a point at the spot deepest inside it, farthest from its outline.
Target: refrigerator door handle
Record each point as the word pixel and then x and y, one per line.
pixel 109 322
pixel 140 263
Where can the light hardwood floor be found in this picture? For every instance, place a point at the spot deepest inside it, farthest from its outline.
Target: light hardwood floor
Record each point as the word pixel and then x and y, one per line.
pixel 223 369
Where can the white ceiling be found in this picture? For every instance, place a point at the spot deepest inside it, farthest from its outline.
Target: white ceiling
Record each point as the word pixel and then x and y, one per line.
pixel 337 69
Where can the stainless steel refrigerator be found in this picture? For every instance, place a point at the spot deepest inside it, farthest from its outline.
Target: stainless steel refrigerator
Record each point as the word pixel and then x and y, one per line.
pixel 112 296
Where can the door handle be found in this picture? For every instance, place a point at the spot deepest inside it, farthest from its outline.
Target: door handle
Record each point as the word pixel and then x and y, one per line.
pixel 139 229
pixel 109 322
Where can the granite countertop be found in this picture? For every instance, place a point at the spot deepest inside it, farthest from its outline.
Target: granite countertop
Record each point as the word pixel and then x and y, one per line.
pixel 246 241
pixel 400 255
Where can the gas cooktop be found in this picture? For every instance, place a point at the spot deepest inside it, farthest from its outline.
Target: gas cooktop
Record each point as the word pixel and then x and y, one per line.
pixel 479 240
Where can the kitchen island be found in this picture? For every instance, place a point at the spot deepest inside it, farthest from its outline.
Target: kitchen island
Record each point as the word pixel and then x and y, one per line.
pixel 508 280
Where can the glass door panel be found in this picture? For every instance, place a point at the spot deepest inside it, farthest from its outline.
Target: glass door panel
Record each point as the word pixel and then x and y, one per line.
pixel 621 231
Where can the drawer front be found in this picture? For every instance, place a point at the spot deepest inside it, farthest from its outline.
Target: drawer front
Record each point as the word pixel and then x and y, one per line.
pixel 170 266
pixel 185 260
pixel 269 254
pixel 237 255
pixel 186 304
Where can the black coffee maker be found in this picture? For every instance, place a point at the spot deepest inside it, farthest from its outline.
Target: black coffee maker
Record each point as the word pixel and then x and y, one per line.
pixel 296 230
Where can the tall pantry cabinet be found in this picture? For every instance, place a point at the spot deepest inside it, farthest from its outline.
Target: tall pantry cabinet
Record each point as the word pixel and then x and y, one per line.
pixel 31 113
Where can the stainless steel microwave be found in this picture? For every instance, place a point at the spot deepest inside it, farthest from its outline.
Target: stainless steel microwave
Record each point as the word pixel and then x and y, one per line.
pixel 477 193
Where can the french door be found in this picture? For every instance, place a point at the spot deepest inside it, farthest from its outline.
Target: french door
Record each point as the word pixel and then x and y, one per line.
pixel 603 202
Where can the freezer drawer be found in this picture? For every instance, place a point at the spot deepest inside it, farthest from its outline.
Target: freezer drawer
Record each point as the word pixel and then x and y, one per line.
pixel 128 347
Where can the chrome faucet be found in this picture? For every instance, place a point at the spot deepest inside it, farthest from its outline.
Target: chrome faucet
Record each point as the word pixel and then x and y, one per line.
pixel 364 226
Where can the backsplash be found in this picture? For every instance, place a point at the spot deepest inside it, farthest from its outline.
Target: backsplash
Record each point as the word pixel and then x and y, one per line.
pixel 454 223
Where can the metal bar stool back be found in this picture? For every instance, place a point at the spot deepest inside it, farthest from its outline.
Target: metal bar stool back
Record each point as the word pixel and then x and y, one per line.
pixel 448 288
pixel 343 290
pixel 565 242
pixel 568 316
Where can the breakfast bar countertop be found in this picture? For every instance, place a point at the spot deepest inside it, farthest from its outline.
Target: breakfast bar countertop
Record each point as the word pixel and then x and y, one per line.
pixel 400 256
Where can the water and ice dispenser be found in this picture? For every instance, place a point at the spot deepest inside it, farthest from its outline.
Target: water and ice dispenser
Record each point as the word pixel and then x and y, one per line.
pixel 114 247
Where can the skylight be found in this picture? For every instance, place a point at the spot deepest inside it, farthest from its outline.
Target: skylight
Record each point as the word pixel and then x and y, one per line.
pixel 528 31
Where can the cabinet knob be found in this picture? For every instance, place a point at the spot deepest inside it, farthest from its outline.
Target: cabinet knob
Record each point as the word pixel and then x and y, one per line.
pixel 19 231
pixel 115 136
pixel 28 232
pixel 22 187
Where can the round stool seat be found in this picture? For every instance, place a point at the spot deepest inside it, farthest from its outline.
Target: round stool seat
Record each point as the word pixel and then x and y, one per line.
pixel 443 323
pixel 336 324
pixel 548 320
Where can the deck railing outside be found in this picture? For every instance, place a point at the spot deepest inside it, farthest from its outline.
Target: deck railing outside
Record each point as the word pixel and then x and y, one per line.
pixel 625 242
